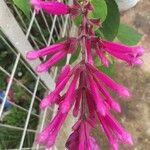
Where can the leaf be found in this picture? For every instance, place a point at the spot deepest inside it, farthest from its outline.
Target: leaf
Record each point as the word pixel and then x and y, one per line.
pixel 78 20
pixel 99 33
pixel 111 24
pixel 61 62
pixel 75 56
pixel 24 6
pixel 128 35
pixel 109 71
pixel 100 9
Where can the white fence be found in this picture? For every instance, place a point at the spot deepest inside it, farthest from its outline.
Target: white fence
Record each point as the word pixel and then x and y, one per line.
pixel 17 35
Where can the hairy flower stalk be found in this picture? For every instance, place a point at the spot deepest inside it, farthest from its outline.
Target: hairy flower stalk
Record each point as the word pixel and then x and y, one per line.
pixel 88 91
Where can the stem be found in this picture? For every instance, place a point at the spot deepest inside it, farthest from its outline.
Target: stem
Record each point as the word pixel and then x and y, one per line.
pixel 84 55
pixel 83 30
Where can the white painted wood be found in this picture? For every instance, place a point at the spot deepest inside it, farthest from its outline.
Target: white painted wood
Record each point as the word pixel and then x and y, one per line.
pixel 12 30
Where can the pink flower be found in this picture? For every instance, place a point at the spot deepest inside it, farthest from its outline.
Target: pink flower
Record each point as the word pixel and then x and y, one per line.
pixel 81 139
pixel 48 135
pixel 51 7
pixel 121 90
pixel 114 131
pixel 55 95
pixel 63 73
pixel 90 79
pixel 101 55
pixel 130 54
pixel 90 90
pixel 69 98
pixel 86 87
pixel 77 98
pixel 57 52
pixel 98 100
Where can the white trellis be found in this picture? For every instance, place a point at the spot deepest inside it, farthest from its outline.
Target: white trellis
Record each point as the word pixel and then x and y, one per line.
pixel 19 36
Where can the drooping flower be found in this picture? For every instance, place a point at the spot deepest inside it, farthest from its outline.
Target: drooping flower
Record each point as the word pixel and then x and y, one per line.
pixel 48 136
pixel 57 52
pixel 87 87
pixel 51 7
pixel 90 79
pixel 54 96
pixel 63 73
pixel 130 54
pixel 81 139
pixel 114 131
pixel 57 8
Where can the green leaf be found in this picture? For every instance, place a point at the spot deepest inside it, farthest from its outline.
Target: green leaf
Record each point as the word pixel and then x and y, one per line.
pixel 128 35
pixel 78 20
pixel 111 24
pixel 61 62
pixel 100 9
pixel 24 6
pixel 109 71
pixel 75 56
pixel 99 33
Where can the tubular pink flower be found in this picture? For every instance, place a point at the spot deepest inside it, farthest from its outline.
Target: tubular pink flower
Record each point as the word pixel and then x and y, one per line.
pixel 58 50
pixel 63 73
pixel 129 58
pixel 118 129
pixel 67 102
pixel 45 51
pixel 113 104
pixel 90 103
pixel 118 47
pixel 48 135
pixel 102 57
pixel 77 103
pixel 43 136
pixel 121 90
pixel 112 127
pixel 112 140
pixel 53 60
pixel 130 54
pixel 55 8
pixel 48 100
pixel 80 139
pixel 96 97
pixel 55 95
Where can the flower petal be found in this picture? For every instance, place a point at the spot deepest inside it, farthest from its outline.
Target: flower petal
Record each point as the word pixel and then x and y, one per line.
pixel 45 51
pixel 55 8
pixel 53 60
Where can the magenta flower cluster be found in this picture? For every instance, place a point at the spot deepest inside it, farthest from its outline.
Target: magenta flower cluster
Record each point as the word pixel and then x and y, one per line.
pixel 88 90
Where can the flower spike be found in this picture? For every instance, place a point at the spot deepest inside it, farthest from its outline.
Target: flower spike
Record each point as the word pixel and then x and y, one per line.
pixel 83 88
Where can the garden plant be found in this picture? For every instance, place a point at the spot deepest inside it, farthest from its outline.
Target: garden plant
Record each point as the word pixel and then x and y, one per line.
pixel 88 86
